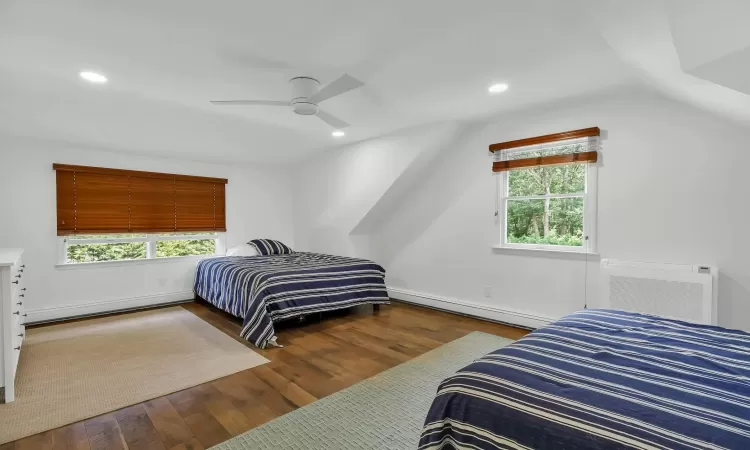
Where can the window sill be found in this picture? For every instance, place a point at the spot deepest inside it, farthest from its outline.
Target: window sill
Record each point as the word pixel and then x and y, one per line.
pixel 545 252
pixel 132 262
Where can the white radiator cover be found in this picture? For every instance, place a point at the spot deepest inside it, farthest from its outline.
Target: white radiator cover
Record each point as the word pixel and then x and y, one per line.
pixel 676 291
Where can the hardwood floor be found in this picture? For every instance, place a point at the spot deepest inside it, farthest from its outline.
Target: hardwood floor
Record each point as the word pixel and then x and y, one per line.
pixel 319 358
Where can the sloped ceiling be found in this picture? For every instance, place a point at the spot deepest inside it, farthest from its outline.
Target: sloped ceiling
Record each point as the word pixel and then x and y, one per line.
pixel 713 42
pixel 692 50
pixel 423 61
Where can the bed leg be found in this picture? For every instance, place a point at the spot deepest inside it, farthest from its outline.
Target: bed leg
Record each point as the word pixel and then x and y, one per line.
pixel 376 308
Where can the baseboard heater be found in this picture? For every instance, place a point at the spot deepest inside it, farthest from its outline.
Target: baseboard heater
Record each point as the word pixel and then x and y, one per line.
pixel 489 313
pixel 107 313
pixel 464 314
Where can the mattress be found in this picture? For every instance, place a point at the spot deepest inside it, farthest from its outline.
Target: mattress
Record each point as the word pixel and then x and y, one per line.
pixel 602 379
pixel 266 289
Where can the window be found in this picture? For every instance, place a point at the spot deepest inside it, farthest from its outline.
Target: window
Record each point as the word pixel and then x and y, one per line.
pixel 121 247
pixel 95 248
pixel 547 195
pixel 115 215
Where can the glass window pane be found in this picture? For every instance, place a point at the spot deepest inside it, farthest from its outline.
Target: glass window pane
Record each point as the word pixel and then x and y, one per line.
pixel 79 253
pixel 557 221
pixel 185 248
pixel 562 150
pixel 564 179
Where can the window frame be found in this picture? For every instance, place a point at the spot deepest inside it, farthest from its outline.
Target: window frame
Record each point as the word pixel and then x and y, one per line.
pixel 150 239
pixel 589 209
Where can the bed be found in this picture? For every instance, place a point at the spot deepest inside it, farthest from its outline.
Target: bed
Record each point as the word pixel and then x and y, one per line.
pixel 267 289
pixel 602 379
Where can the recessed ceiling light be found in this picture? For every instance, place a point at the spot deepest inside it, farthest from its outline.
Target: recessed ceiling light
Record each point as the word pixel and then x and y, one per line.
pixel 338 133
pixel 498 88
pixel 93 77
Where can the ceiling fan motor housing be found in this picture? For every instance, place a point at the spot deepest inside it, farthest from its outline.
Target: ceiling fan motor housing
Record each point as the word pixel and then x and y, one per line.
pixel 302 89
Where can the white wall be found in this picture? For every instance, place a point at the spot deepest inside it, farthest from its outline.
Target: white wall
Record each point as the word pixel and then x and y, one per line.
pixel 343 189
pixel 672 188
pixel 258 205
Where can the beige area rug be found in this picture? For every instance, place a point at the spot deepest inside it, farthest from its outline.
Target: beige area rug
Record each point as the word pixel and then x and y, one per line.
pixel 73 371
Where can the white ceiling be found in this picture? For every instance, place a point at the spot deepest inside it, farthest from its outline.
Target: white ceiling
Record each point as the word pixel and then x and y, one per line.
pixel 714 43
pixel 422 60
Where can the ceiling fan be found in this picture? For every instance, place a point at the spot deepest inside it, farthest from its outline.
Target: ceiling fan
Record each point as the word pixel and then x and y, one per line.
pixel 306 95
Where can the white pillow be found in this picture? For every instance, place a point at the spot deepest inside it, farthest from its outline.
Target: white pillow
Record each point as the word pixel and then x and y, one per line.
pixel 242 250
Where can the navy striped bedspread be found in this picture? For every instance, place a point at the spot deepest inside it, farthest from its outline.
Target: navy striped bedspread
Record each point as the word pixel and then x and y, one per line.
pixel 601 379
pixel 266 289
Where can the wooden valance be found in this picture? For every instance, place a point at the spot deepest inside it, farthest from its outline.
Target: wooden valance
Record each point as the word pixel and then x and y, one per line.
pixel 547 138
pixel 587 153
pixel 96 200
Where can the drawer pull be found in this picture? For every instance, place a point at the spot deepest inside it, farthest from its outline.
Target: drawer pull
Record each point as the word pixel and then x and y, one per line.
pixel 19 303
pixel 15 282
pixel 17 312
pixel 20 270
pixel 18 276
pixel 23 289
pixel 20 335
pixel 23 266
pixel 18 348
pixel 21 295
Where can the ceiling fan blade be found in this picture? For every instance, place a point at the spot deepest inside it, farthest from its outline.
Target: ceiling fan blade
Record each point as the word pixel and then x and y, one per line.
pixel 335 122
pixel 249 102
pixel 344 83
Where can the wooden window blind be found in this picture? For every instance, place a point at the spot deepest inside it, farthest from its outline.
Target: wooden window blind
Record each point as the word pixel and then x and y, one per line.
pixel 583 143
pixel 93 200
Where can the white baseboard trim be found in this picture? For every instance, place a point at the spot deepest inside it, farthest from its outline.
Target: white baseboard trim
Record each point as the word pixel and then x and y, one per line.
pixel 493 313
pixel 109 306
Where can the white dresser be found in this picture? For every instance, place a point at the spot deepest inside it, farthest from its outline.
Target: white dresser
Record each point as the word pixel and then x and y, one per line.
pixel 12 317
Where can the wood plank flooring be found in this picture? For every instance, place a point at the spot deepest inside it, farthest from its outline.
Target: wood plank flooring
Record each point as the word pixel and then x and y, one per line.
pixel 320 357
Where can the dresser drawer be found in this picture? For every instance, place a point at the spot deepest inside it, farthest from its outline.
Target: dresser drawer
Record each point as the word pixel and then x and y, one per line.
pixel 18 267
pixel 18 305
pixel 18 308
pixel 18 331
pixel 18 319
pixel 18 288
pixel 18 299
pixel 17 279
pixel 18 338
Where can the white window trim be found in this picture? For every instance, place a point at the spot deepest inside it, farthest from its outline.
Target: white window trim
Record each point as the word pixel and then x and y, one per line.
pixel 590 200
pixel 150 239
